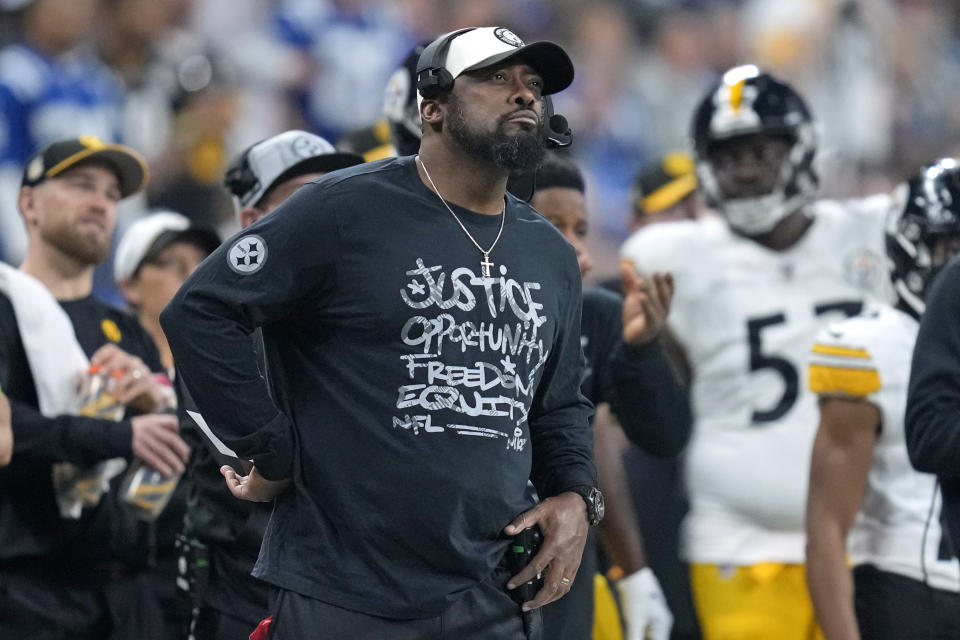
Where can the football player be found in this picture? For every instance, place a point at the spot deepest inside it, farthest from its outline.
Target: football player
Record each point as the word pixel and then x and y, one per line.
pixel 753 287
pixel 905 576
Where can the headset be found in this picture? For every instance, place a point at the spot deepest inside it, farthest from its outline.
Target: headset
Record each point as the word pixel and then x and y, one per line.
pixel 433 79
pixel 556 131
pixel 240 178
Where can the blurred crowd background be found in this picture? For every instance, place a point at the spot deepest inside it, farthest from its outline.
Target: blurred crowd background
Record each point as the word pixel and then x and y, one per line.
pixel 190 83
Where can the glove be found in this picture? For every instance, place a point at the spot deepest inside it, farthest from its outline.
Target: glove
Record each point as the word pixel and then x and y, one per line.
pixel 643 606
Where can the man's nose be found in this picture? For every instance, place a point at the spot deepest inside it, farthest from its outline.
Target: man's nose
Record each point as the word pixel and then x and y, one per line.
pixel 523 96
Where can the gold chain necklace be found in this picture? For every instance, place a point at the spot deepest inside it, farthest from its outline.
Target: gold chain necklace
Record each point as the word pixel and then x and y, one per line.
pixel 485 264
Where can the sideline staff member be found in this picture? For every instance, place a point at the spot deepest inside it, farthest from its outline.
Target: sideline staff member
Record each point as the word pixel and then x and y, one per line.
pixel 80 571
pixel 424 363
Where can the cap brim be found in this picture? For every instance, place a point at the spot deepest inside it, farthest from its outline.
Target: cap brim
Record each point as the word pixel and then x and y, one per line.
pixel 550 61
pixel 323 163
pixel 130 167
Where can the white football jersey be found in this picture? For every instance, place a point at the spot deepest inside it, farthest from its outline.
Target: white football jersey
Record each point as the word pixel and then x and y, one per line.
pixel 746 316
pixel 898 526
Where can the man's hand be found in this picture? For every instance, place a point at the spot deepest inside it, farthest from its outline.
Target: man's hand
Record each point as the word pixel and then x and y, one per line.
pixel 643 606
pixel 253 487
pixel 563 522
pixel 646 304
pixel 132 381
pixel 6 431
pixel 156 441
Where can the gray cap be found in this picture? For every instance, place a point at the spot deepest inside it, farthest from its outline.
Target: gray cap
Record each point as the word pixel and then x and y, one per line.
pixel 281 157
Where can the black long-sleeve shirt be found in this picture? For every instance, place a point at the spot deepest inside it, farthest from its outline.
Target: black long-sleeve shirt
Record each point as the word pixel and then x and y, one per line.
pixel 933 402
pixel 31 528
pixel 639 382
pixel 412 397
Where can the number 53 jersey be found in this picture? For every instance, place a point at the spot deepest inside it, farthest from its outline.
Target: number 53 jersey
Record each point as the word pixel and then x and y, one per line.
pixel 746 316
pixel 897 528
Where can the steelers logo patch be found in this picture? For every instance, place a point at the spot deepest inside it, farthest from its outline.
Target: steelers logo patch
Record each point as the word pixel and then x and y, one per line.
pixel 505 35
pixel 35 169
pixel 247 255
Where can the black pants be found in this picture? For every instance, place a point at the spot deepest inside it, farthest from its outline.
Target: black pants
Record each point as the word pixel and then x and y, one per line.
pixel 485 612
pixel 60 605
pixel 571 617
pixel 894 607
pixel 216 625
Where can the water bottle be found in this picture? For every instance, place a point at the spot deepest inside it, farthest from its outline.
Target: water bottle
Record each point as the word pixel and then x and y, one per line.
pixel 146 490
pixel 77 488
pixel 96 399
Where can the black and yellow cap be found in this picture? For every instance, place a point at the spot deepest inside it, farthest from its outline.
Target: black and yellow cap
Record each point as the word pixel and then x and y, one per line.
pixel 664 182
pixel 52 160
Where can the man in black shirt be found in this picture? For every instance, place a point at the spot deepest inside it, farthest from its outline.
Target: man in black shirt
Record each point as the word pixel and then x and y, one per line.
pixel 229 601
pixel 933 402
pixel 559 195
pixel 422 333
pixel 73 569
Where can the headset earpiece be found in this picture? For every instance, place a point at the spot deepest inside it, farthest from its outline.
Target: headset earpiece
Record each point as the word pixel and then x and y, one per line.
pixel 240 180
pixel 432 77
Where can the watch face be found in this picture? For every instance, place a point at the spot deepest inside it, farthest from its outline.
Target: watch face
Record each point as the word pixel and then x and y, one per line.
pixel 599 504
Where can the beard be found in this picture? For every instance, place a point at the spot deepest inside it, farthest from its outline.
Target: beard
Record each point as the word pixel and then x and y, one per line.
pixel 518 152
pixel 86 248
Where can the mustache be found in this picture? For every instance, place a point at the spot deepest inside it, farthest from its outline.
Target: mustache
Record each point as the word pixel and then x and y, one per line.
pixel 523 111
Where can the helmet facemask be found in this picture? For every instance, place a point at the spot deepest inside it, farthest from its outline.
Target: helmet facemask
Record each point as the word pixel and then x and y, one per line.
pixel 750 102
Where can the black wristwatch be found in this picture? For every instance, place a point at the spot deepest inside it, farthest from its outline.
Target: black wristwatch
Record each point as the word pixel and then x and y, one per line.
pixel 594 499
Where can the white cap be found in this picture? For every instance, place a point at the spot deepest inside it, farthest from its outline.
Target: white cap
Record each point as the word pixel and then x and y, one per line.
pixel 140 241
pixel 482 47
pixel 284 155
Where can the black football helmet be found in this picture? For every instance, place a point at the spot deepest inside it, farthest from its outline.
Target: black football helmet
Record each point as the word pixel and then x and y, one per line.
pixel 923 230
pixel 748 101
pixel 400 106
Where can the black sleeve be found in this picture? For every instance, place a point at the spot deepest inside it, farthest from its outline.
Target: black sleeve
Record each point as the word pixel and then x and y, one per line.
pixel 65 438
pixel 209 322
pixel 652 406
pixel 933 402
pixel 77 439
pixel 560 414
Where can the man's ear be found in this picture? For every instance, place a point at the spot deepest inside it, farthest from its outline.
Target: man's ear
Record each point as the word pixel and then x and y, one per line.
pixel 432 113
pixel 249 215
pixel 26 202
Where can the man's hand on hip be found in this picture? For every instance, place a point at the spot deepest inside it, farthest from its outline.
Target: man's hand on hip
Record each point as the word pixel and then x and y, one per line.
pixel 563 522
pixel 252 487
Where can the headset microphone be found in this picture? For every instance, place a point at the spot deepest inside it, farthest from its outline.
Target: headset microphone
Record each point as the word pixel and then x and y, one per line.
pixel 557 134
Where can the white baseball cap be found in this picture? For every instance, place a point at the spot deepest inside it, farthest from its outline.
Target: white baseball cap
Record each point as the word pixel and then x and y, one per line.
pixel 152 234
pixel 280 157
pixel 483 47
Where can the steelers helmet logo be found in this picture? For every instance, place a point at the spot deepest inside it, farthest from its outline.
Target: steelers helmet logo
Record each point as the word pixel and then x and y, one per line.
pixel 247 255
pixel 505 35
